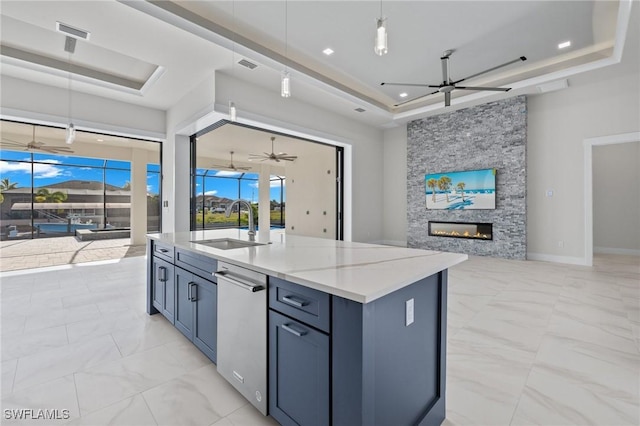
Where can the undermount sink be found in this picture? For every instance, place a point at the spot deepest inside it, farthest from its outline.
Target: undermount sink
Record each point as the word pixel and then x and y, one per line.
pixel 227 243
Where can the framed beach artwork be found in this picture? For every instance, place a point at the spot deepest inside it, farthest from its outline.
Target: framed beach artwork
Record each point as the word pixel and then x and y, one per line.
pixel 468 190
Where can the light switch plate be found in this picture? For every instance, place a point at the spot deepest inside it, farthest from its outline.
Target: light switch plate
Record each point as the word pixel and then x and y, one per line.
pixel 409 312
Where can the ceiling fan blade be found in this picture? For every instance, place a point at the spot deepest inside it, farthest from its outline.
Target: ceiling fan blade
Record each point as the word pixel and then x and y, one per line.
pixel 416 98
pixel 50 151
pixel 11 140
pixel 447 99
pixel 521 58
pixel 410 84
pixel 11 143
pixel 493 89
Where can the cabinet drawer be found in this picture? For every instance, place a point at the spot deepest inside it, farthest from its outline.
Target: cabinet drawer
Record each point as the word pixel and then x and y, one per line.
pixel 197 263
pixel 304 304
pixel 163 251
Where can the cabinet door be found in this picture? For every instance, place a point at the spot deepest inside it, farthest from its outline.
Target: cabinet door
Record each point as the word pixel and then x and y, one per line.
pixel 298 372
pixel 184 302
pixel 169 306
pixel 205 297
pixel 160 275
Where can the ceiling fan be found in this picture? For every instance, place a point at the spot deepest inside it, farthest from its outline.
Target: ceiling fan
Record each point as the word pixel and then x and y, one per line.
pixel 35 145
pixel 448 85
pixel 231 166
pixel 282 156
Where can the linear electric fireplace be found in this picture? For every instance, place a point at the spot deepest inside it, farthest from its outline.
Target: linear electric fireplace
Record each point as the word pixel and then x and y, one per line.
pixel 474 231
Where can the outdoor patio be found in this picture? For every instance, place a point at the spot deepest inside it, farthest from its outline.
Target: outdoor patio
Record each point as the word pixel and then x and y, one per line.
pixel 45 252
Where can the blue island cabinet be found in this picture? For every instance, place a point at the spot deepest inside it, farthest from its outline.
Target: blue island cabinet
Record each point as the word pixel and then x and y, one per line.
pixel 334 361
pixel 196 311
pixel 163 297
pixel 181 286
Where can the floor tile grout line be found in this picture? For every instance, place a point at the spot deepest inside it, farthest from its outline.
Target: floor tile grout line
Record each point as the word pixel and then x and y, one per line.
pixel 153 416
pixel 75 385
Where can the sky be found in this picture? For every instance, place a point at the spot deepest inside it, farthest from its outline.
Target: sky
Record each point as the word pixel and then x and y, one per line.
pixel 473 179
pixel 49 169
pixel 225 184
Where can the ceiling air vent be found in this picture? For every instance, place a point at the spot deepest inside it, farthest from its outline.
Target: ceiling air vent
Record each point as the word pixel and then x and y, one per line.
pixel 247 64
pixel 72 31
pixel 360 109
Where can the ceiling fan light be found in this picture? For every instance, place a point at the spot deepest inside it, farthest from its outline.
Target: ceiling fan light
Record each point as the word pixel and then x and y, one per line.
pixel 71 134
pixel 285 86
pixel 232 112
pixel 381 46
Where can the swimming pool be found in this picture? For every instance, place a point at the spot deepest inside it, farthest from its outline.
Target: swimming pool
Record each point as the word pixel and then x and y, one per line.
pixel 63 227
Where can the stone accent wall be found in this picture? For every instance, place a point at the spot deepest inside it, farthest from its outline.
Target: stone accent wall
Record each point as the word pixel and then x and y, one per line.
pixel 492 135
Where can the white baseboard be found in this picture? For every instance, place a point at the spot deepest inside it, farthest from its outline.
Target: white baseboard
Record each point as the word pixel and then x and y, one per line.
pixel 612 250
pixel 393 243
pixel 556 259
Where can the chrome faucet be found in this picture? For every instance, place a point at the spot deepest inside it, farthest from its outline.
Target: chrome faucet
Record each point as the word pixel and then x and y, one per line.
pixel 252 227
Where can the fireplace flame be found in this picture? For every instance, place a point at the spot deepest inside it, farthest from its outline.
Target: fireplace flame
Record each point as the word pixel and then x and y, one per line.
pixel 466 234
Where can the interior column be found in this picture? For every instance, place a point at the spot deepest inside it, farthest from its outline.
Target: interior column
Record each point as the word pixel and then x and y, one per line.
pixel 138 215
pixel 264 202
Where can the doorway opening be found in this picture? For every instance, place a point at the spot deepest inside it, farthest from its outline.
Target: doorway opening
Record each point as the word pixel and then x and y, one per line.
pixel 589 145
pixel 231 161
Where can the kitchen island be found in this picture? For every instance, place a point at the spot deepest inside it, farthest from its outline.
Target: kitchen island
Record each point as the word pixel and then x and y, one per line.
pixel 356 333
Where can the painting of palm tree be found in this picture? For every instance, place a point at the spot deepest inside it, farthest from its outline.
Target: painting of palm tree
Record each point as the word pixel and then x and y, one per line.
pixel 432 183
pixel 460 187
pixel 463 190
pixel 444 183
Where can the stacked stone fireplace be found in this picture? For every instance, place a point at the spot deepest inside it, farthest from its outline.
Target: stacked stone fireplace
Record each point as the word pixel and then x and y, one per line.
pixel 491 135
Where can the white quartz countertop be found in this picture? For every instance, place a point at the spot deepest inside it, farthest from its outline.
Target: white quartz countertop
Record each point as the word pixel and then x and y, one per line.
pixel 356 271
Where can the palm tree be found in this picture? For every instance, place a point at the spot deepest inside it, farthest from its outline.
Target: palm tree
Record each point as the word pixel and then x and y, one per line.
pixel 461 186
pixel 432 183
pixel 6 185
pixel 444 183
pixel 44 196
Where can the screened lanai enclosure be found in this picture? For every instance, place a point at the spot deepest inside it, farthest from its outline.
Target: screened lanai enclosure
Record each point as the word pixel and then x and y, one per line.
pixel 98 183
pixel 216 189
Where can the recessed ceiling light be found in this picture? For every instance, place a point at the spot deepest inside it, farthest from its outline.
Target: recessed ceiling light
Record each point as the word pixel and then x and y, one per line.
pixel 564 44
pixel 404 94
pixel 100 140
pixel 328 51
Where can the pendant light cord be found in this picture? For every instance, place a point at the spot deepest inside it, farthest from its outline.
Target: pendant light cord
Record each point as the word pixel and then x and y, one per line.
pixel 69 97
pixel 286 34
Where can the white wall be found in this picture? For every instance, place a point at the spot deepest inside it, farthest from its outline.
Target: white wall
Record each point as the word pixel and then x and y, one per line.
pixel 598 103
pixel 50 104
pixel 311 192
pixel 616 198
pixel 395 186
pixel 176 154
pixel 295 114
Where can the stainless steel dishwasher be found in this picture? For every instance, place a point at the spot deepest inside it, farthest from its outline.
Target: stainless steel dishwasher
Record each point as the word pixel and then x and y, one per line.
pixel 242 331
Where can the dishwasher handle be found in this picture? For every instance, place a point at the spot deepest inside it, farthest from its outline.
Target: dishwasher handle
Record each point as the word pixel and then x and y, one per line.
pixel 245 285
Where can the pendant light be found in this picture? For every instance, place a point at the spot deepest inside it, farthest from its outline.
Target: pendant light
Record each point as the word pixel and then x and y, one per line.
pixel 285 83
pixel 233 114
pixel 380 46
pixel 69 46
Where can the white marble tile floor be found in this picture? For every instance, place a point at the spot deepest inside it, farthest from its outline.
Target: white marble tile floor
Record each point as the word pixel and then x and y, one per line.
pixel 528 343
